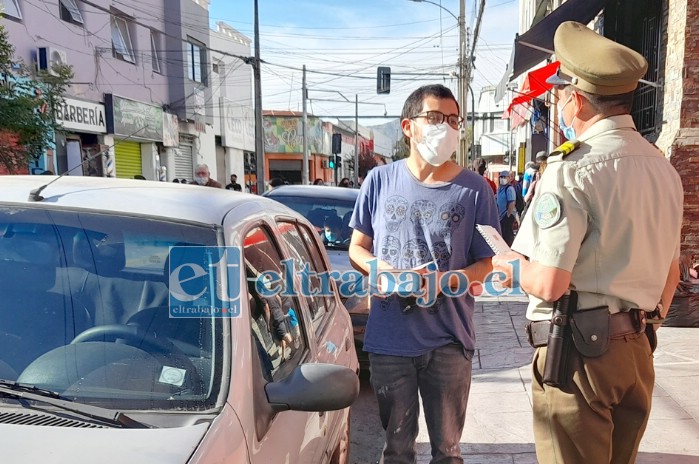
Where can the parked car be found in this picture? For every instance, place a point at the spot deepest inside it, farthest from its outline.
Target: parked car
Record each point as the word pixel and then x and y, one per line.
pixel 97 364
pixel 317 204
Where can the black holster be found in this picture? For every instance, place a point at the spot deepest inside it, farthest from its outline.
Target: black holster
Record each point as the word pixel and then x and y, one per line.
pixel 559 341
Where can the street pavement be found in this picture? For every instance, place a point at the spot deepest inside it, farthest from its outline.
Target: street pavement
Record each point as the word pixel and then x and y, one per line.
pixel 499 418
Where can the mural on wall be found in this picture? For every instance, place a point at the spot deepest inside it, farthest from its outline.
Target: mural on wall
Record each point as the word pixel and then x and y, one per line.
pixel 285 135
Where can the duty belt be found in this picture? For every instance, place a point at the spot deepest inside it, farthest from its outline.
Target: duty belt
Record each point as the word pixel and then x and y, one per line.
pixel 629 322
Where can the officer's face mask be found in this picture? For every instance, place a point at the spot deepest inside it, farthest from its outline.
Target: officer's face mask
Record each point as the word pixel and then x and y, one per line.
pixel 568 131
pixel 438 143
pixel 503 181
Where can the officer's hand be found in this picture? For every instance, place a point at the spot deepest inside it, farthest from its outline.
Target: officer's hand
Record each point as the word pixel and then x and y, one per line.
pixel 503 264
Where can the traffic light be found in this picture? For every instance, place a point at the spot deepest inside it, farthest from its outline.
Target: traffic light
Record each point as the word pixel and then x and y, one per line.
pixel 383 80
pixel 331 162
pixel 338 161
pixel 337 144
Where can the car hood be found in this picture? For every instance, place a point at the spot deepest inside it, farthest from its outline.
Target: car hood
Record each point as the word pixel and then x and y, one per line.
pixel 32 444
pixel 339 260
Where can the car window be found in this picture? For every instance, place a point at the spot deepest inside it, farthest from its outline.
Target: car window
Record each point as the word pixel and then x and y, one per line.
pixel 276 320
pixel 84 296
pixel 322 212
pixel 302 256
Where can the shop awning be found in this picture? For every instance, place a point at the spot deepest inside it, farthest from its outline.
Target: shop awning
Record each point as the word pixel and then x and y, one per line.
pixel 534 85
pixel 535 45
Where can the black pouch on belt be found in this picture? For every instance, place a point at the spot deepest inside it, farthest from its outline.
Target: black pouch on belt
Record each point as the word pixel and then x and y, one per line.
pixel 590 330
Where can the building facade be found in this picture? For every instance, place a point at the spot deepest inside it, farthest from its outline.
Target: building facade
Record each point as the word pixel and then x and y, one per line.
pixel 145 90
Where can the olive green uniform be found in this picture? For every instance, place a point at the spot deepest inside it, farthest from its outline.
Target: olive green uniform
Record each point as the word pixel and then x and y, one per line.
pixel 610 212
pixel 619 229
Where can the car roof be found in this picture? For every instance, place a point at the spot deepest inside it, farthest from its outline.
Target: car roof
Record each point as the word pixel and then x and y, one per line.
pixel 320 191
pixel 195 203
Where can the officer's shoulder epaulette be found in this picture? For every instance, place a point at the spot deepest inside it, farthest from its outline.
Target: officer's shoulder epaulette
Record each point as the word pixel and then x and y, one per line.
pixel 565 149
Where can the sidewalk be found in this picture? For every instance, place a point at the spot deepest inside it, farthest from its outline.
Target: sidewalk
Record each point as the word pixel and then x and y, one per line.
pixel 499 422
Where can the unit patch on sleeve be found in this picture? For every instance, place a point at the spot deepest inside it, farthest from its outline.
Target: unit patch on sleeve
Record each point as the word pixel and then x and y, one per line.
pixel 547 210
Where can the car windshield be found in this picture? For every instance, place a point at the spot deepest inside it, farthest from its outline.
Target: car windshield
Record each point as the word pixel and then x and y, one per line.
pixel 85 311
pixel 330 216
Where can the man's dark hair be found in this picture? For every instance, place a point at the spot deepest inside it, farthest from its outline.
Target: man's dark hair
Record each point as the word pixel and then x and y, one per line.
pixel 413 105
pixel 611 105
pixel 276 182
pixel 334 222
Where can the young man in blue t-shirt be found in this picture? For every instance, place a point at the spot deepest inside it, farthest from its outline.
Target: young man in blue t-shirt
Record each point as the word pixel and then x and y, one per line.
pixel 419 210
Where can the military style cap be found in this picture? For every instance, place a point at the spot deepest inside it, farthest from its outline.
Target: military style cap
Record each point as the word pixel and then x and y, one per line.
pixel 594 63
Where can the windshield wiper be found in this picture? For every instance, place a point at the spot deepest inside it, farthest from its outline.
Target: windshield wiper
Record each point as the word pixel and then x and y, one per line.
pixel 33 393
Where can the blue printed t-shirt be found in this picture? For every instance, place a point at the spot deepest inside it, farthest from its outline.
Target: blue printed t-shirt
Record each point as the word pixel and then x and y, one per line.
pixel 506 194
pixel 412 223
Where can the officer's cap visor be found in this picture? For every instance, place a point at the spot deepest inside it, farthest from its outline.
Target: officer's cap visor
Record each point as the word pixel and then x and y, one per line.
pixel 561 78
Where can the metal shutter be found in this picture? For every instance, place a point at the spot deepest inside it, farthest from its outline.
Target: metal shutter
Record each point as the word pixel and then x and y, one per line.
pixel 127 159
pixel 183 158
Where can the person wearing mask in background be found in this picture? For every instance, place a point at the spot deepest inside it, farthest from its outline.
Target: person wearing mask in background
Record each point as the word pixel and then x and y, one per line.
pixel 333 230
pixel 234 182
pixel 506 207
pixel 202 176
pixel 428 207
pixel 601 245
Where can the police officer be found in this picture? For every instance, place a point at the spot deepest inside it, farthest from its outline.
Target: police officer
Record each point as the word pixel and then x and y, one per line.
pixel 604 226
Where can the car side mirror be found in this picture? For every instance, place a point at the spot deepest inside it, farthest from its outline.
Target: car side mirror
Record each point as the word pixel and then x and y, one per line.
pixel 314 387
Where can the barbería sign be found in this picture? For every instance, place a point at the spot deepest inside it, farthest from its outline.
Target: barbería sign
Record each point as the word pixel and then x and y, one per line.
pixel 82 116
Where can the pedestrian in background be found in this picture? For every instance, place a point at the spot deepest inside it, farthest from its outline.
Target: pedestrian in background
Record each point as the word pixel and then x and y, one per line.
pixel 602 236
pixel 480 167
pixel 506 197
pixel 202 176
pixel 344 182
pixel 408 213
pixel 234 182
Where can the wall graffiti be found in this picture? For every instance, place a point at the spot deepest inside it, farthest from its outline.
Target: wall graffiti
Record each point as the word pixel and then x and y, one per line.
pixel 285 135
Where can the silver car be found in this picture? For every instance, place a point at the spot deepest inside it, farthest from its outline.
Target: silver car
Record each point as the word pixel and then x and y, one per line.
pixel 320 205
pixel 139 322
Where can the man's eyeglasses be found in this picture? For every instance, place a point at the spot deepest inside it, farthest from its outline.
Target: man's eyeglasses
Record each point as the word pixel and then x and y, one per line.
pixel 437 117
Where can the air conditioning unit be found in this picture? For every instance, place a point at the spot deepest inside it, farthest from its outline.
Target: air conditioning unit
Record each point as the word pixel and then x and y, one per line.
pixel 48 57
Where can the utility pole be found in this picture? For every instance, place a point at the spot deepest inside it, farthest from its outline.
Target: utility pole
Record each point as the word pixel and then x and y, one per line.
pixel 304 125
pixel 476 31
pixel 463 82
pixel 259 129
pixel 356 139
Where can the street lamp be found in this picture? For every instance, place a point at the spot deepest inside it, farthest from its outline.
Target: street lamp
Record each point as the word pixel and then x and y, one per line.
pixel 463 70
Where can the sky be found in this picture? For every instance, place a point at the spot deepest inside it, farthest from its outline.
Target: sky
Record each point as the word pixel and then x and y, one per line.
pixel 350 39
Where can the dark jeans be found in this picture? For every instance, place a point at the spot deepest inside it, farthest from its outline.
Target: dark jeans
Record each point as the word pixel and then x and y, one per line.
pixel 507 228
pixel 443 378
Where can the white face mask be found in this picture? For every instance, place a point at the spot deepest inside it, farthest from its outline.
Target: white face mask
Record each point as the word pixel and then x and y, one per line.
pixel 201 180
pixel 438 143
